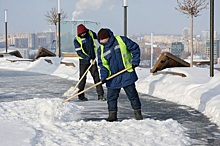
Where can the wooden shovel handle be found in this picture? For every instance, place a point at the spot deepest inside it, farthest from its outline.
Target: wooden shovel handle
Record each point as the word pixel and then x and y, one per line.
pixel 85 73
pixel 114 75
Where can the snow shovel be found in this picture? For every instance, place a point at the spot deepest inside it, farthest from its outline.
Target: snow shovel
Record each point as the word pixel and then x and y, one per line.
pixel 73 90
pixel 114 75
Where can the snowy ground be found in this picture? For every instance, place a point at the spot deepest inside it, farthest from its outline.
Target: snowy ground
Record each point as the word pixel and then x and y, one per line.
pixel 45 122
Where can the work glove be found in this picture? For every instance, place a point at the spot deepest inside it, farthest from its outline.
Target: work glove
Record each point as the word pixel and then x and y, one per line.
pixel 91 61
pixel 134 66
pixel 104 81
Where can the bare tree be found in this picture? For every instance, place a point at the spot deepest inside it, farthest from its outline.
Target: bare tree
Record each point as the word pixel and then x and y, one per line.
pixel 191 8
pixel 52 18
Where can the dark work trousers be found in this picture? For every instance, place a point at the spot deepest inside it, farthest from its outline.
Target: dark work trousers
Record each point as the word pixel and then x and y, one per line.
pixel 131 92
pixel 95 75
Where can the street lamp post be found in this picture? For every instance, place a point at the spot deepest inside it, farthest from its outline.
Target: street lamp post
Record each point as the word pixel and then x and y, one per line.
pixel 125 17
pixel 211 38
pixel 59 43
pixel 6 31
pixel 152 51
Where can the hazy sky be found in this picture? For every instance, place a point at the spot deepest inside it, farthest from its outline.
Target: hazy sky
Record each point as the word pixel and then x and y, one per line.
pixel 144 16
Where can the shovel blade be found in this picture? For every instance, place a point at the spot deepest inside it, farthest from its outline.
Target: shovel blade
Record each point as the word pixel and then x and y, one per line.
pixel 71 92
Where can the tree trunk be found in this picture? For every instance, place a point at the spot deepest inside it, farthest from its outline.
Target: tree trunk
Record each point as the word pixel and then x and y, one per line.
pixel 191 40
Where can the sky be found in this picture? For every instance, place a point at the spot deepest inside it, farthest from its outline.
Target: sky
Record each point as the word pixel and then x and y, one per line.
pixel 157 16
pixel 22 122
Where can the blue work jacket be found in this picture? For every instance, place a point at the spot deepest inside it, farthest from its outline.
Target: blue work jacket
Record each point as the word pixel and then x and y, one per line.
pixel 88 46
pixel 115 62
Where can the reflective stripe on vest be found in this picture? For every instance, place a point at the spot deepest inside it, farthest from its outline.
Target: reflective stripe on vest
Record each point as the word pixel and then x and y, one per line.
pixel 125 54
pixel 80 42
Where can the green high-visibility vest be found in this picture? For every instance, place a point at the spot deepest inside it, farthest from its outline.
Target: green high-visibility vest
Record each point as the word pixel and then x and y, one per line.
pixel 80 42
pixel 125 54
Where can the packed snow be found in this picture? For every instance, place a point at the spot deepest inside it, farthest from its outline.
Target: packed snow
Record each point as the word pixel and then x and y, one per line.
pixel 49 122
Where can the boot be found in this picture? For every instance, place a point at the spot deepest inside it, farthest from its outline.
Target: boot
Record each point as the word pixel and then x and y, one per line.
pixel 112 116
pixel 138 115
pixel 101 97
pixel 83 99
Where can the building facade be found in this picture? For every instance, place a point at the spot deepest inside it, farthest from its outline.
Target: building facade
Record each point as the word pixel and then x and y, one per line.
pixel 177 48
pixel 216 50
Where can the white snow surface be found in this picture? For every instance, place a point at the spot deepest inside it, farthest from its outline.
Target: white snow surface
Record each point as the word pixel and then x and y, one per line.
pixel 49 122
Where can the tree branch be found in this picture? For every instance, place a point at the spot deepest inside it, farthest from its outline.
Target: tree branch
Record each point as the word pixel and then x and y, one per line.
pixel 52 16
